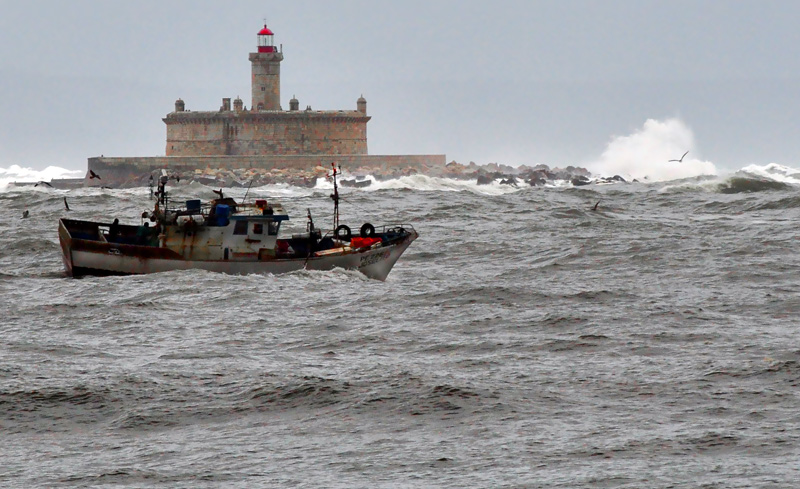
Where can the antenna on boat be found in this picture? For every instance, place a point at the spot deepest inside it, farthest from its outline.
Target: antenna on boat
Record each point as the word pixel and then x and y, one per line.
pixel 248 191
pixel 310 224
pixel 335 196
pixel 162 193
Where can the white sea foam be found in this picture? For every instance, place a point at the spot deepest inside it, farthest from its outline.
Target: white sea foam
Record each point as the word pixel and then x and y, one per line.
pixel 16 173
pixel 645 154
pixel 773 171
pixel 427 183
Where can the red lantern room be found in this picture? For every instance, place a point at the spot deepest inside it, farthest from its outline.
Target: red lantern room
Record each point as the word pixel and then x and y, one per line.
pixel 265 42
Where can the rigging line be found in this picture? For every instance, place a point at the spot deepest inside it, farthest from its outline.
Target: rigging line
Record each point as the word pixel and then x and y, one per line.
pixel 248 191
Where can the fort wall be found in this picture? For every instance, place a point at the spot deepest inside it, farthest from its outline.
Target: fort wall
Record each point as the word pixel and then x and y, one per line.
pixel 235 133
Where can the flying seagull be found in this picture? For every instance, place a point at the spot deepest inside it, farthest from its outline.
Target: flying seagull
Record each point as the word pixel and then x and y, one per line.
pixel 680 160
pixel 43 183
pixel 92 175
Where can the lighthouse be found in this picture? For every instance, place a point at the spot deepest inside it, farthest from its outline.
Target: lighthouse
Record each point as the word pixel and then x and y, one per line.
pixel 265 128
pixel 266 63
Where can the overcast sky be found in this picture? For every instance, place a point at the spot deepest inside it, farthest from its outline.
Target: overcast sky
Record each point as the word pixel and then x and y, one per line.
pixel 515 82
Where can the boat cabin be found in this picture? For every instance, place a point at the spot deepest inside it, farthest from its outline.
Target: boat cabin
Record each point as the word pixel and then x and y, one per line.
pixel 225 230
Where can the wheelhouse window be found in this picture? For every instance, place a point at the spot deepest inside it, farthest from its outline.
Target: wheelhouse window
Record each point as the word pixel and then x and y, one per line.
pixel 240 227
pixel 272 228
pixel 258 228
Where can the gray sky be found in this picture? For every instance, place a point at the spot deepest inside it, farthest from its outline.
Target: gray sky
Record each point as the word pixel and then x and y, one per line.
pixel 515 82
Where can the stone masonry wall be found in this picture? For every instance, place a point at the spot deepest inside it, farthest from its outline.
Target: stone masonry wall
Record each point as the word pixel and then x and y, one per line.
pixel 254 133
pixel 266 80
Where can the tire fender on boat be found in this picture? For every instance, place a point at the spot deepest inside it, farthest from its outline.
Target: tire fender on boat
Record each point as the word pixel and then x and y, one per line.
pixel 367 230
pixel 343 232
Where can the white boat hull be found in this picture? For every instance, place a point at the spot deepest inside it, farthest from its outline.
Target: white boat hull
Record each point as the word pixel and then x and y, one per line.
pixel 111 259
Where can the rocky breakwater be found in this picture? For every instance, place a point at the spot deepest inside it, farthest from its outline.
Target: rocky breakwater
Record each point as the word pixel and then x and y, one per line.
pixel 257 177
pixel 539 175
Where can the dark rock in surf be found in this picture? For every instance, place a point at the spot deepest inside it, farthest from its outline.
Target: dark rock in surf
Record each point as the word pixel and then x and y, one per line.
pixel 485 179
pixel 511 180
pixel 580 181
pixel 355 183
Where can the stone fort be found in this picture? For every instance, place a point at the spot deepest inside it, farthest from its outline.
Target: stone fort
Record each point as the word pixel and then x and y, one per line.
pixel 263 136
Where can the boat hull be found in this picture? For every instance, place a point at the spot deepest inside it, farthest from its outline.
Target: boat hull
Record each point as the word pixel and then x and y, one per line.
pixel 89 257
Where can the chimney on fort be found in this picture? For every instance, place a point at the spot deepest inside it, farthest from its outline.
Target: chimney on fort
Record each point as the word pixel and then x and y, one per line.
pixel 266 82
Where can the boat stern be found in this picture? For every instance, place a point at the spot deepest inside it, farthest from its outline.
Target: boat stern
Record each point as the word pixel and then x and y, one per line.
pixel 65 240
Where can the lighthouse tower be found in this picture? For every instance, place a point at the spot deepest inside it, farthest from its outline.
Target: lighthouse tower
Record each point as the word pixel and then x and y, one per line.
pixel 266 83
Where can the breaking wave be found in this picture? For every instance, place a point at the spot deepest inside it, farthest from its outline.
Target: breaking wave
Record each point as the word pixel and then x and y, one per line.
pixel 16 173
pixel 429 183
pixel 737 185
pixel 756 178
pixel 642 156
pixel 750 179
pixel 646 154
pixel 774 172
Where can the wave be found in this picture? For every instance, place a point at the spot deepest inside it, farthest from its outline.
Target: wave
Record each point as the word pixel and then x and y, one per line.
pixel 16 173
pixel 649 154
pixel 418 182
pixel 738 185
pixel 429 183
pixel 750 179
pixel 773 171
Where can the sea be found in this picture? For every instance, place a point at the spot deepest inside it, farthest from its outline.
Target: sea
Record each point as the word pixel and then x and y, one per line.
pixel 629 335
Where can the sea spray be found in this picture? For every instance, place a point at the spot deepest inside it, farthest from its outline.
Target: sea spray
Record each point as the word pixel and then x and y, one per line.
pixel 645 154
pixel 430 183
pixel 16 173
pixel 773 171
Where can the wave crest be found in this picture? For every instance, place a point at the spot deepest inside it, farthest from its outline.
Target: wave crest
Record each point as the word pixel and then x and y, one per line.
pixel 16 173
pixel 646 154
pixel 738 185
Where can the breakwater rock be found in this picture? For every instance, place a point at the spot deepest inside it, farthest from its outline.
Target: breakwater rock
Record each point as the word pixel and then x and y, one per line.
pixel 356 176
pixel 538 175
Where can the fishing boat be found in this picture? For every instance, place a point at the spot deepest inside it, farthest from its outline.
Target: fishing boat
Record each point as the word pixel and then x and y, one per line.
pixel 225 236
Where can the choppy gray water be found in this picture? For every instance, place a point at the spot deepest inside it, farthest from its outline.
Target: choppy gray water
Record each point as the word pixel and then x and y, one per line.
pixel 523 341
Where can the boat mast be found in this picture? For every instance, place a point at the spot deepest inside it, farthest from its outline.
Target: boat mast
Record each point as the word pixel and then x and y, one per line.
pixel 335 196
pixel 310 223
pixel 162 199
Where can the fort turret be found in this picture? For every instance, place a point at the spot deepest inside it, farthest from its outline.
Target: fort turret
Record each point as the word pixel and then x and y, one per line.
pixel 266 82
pixel 361 105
